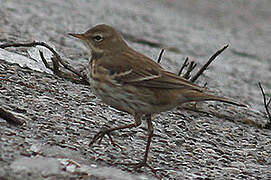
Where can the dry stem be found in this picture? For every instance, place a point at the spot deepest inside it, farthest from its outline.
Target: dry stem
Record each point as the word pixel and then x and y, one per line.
pixel 204 67
pixel 76 77
pixel 266 106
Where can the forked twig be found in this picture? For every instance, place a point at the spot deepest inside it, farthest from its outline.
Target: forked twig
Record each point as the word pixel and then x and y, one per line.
pixel 204 67
pixel 58 72
pixel 185 64
pixel 56 59
pixel 192 65
pixel 266 105
pixel 190 68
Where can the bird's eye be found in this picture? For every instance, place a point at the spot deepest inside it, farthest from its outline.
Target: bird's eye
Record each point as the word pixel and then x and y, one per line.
pixel 98 38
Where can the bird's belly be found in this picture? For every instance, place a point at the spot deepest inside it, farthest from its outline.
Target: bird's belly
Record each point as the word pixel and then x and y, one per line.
pixel 127 98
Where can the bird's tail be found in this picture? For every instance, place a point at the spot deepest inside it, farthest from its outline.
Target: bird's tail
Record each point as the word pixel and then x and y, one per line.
pixel 202 96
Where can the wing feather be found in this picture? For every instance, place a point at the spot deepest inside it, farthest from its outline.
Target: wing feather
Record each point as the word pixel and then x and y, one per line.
pixel 139 70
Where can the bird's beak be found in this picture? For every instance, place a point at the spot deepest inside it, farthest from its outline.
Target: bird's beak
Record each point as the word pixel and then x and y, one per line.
pixel 79 36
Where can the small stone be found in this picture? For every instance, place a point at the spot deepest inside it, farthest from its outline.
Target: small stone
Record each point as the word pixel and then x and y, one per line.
pixel 237 164
pixel 232 170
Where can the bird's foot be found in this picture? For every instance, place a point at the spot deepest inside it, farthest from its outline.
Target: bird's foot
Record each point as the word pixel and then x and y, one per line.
pixel 100 135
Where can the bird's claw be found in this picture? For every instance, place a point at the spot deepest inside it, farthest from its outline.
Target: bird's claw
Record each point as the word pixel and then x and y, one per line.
pixel 100 135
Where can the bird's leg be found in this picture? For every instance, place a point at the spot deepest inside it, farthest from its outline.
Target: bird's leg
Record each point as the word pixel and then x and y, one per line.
pixel 150 132
pixel 144 161
pixel 99 136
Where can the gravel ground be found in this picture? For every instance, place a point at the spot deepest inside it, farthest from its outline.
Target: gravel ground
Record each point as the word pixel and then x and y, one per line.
pixel 213 141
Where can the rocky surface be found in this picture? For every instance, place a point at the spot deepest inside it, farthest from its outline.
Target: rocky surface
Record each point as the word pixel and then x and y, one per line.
pixel 214 141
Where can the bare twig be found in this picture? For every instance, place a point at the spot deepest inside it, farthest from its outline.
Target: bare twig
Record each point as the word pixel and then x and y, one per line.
pixel 10 118
pixel 185 64
pixel 269 102
pixel 160 55
pixel 58 72
pixel 45 62
pixel 204 67
pixel 190 68
pixel 266 104
pixel 56 60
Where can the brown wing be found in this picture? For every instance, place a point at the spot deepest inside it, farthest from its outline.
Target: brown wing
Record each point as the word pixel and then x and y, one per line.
pixel 140 70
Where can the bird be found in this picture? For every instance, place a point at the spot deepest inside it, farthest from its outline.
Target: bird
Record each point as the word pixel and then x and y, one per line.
pixel 131 82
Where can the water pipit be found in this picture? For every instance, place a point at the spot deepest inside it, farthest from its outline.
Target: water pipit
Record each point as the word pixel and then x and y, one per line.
pixel 129 81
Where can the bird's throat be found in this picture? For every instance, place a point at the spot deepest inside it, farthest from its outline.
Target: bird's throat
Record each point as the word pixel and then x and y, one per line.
pixel 94 52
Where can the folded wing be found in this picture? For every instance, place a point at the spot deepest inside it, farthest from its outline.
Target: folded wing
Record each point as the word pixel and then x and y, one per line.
pixel 142 71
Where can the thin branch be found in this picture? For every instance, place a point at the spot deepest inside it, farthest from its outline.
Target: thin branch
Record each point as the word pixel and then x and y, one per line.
pixel 185 64
pixel 160 55
pixel 82 78
pixel 45 62
pixel 265 105
pixel 58 72
pixel 212 58
pixel 269 102
pixel 10 117
pixel 190 68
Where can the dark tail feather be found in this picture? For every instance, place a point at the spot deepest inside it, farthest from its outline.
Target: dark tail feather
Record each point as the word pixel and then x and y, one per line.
pixel 226 100
pixel 201 96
